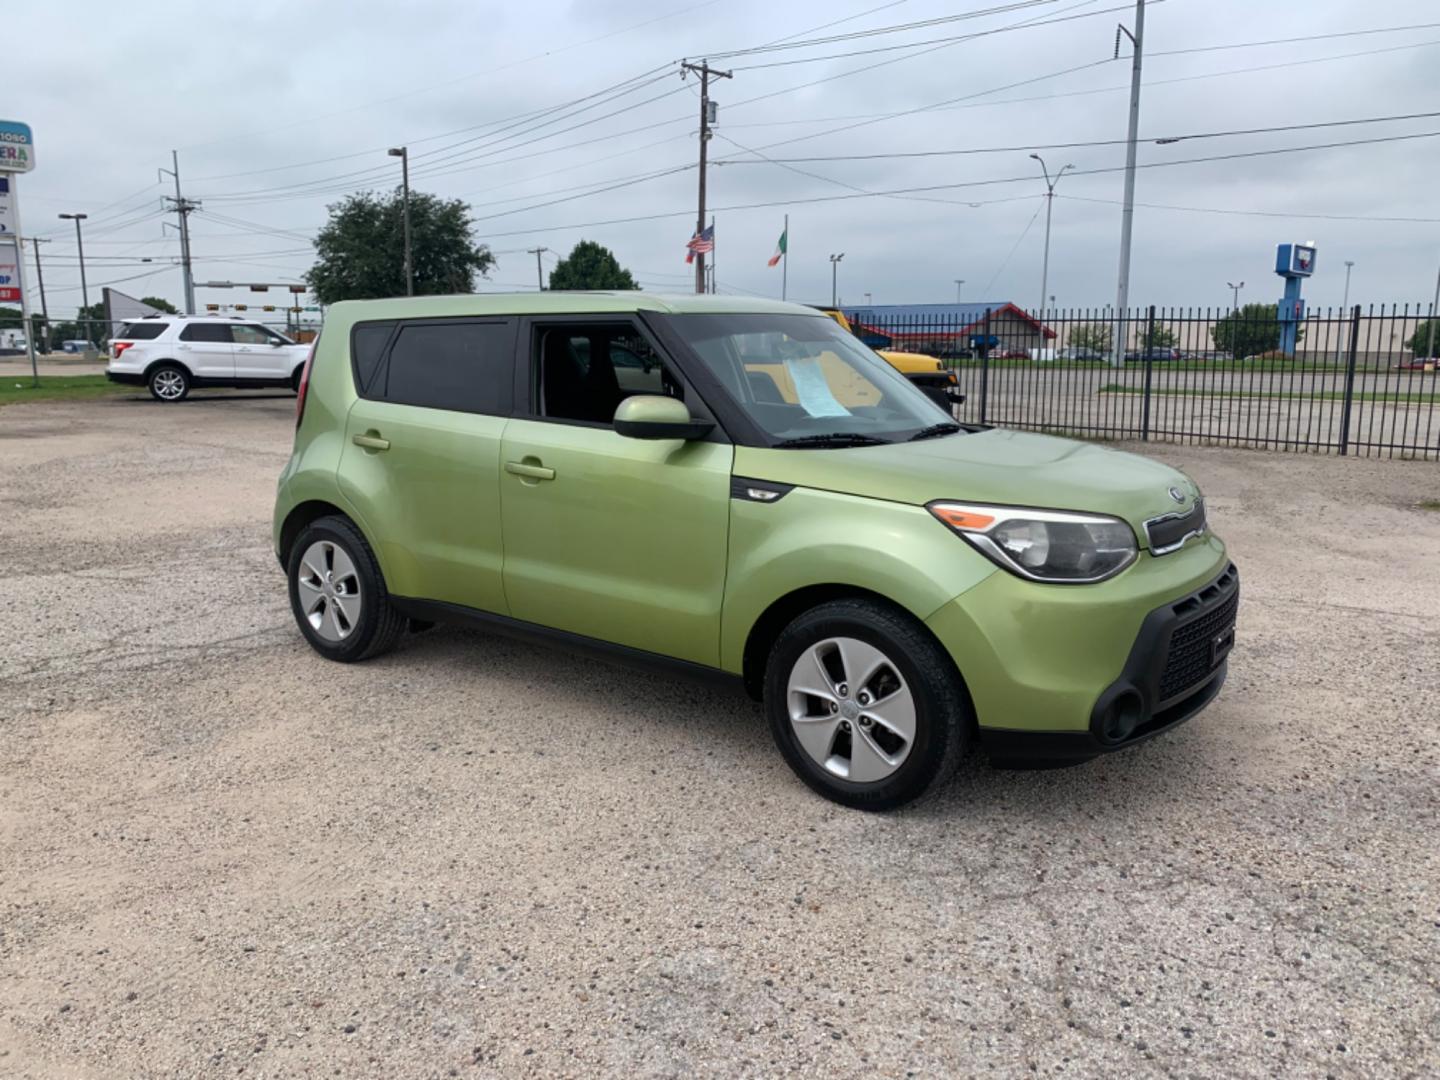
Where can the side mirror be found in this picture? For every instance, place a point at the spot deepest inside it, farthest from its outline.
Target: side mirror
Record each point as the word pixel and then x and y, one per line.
pixel 654 416
pixel 276 344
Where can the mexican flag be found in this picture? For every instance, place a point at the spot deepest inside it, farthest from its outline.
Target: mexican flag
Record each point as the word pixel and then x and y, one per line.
pixel 779 249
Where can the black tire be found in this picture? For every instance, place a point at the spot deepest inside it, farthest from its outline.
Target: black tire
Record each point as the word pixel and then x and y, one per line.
pixel 943 716
pixel 168 383
pixel 378 626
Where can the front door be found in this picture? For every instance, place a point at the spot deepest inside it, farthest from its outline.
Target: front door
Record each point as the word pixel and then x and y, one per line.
pixel 261 353
pixel 609 537
pixel 207 350
pixel 422 454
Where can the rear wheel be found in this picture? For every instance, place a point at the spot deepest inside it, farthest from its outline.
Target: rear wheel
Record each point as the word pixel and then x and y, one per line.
pixel 865 705
pixel 338 594
pixel 169 383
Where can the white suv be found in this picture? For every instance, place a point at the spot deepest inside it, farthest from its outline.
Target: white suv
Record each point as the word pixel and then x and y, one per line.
pixel 172 353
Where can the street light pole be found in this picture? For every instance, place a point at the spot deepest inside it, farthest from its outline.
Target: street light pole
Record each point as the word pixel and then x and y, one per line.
pixel 84 291
pixel 834 279
pixel 403 153
pixel 1234 287
pixel 539 267
pixel 1049 208
pixel 959 284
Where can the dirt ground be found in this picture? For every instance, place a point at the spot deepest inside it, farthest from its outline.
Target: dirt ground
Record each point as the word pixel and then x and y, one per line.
pixel 221 855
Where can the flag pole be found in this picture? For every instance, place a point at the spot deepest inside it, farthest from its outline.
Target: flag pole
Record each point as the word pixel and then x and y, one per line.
pixel 785 260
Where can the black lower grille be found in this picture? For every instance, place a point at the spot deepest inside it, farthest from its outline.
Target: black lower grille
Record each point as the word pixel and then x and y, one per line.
pixel 1201 642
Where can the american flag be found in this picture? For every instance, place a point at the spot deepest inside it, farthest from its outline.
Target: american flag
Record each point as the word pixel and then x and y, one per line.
pixel 702 242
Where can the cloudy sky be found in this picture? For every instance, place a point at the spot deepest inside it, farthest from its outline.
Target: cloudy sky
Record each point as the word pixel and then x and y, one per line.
pixel 277 109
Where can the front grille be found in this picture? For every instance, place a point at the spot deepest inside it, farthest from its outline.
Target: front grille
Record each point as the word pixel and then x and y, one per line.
pixel 1200 642
pixel 1168 533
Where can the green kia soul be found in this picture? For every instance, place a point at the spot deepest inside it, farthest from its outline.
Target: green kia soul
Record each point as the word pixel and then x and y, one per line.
pixel 740 488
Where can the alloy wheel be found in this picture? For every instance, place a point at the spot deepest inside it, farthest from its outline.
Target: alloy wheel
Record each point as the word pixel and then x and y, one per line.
pixel 169 385
pixel 851 709
pixel 329 590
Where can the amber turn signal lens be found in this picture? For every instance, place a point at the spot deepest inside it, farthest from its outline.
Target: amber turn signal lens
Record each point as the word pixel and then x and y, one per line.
pixel 964 520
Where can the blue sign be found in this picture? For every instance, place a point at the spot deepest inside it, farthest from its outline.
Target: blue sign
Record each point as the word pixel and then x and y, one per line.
pixel 17 147
pixel 1295 260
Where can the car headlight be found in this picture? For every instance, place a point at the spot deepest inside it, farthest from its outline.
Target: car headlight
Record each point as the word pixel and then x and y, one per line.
pixel 1044 545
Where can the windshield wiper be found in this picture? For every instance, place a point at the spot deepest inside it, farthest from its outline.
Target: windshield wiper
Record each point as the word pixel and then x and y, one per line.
pixel 833 438
pixel 945 427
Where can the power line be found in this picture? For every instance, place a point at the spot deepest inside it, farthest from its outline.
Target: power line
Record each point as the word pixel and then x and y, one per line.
pixel 1263 213
pixel 1078 145
pixel 967 184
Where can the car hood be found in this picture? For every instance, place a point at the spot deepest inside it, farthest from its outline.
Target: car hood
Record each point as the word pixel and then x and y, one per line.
pixel 1012 468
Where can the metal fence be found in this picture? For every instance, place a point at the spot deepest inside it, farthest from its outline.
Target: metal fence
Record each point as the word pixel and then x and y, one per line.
pixel 1361 381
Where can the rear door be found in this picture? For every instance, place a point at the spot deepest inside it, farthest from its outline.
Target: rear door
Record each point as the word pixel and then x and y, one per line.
pixel 619 539
pixel 261 353
pixel 207 350
pixel 422 453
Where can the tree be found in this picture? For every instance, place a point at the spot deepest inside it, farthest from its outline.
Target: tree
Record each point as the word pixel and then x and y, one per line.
pixel 1426 339
pixel 1094 336
pixel 591 266
pixel 360 252
pixel 1249 331
pixel 1158 337
pixel 161 303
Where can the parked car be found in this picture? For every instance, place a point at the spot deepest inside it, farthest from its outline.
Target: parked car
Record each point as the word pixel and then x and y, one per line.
pixel 1418 363
pixel 1080 352
pixel 1153 353
pixel 891 584
pixel 172 354
pixel 926 372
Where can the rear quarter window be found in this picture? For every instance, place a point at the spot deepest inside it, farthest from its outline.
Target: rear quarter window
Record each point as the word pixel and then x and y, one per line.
pixel 141 331
pixel 367 346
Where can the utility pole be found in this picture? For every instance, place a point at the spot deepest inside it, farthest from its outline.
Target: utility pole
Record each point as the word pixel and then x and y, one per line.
pixel 84 290
pixel 707 117
pixel 959 284
pixel 40 280
pixel 1235 287
pixel 1127 215
pixel 183 207
pixel 539 269
pixel 834 278
pixel 1049 209
pixel 1434 318
pixel 1344 304
pixel 403 153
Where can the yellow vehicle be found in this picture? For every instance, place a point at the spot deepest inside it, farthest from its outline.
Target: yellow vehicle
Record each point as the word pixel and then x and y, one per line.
pixel 924 371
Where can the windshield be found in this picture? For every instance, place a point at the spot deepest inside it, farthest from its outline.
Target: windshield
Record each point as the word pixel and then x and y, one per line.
pixel 802 377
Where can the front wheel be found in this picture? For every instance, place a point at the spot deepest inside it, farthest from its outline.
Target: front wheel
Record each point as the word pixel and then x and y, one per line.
pixel 169 383
pixel 338 594
pixel 865 705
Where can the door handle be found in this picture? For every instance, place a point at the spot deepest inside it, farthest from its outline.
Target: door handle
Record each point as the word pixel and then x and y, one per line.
pixel 371 442
pixel 531 472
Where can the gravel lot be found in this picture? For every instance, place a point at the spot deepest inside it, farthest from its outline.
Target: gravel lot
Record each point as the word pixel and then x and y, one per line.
pixel 220 854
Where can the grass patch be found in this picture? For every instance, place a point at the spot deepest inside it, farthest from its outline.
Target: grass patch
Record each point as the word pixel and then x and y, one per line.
pixel 17 388
pixel 1424 397
pixel 1430 504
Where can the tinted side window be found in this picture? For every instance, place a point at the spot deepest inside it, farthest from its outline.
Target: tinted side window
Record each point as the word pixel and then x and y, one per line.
pixel 465 366
pixel 367 346
pixel 209 332
pixel 254 334
pixel 141 331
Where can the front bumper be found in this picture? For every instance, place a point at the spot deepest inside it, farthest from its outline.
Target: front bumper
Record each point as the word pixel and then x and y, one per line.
pixel 1176 667
pixel 1059 674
